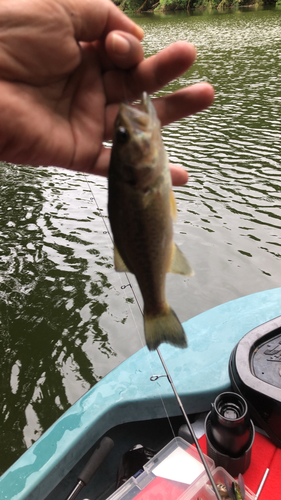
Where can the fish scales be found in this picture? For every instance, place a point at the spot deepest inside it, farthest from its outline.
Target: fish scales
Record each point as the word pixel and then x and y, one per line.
pixel 141 208
pixel 141 254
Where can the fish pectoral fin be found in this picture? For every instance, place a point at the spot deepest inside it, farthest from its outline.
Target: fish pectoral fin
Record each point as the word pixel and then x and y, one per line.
pixel 179 263
pixel 119 263
pixel 164 327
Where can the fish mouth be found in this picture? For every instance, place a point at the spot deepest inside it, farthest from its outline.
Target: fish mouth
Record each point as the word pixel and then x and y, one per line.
pixel 146 105
pixel 137 119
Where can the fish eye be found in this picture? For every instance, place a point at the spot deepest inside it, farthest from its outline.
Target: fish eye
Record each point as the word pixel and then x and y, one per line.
pixel 122 134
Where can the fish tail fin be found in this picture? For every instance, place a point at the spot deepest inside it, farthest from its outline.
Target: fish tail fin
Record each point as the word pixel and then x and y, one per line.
pixel 164 327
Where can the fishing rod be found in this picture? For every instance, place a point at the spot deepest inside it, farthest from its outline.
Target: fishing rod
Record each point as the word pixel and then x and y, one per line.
pixel 193 435
pixel 96 459
pixel 195 440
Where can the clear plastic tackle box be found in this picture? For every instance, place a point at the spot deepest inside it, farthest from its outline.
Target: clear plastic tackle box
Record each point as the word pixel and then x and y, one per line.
pixel 175 473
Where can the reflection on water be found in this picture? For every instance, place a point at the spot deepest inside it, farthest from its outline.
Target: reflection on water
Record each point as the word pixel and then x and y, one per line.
pixel 66 319
pixel 56 300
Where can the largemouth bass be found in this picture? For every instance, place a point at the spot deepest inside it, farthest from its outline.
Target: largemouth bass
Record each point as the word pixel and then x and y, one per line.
pixel 141 208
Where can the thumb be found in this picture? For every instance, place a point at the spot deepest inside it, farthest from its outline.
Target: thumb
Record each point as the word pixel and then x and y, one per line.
pixel 94 19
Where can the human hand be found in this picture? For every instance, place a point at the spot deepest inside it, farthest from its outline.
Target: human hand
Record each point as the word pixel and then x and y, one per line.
pixel 64 68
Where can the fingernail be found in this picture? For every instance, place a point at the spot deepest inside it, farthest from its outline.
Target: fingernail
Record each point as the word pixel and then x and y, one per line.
pixel 120 44
pixel 139 32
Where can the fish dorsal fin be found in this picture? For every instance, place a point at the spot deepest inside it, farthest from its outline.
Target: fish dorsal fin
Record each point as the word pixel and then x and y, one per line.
pixel 179 264
pixel 173 205
pixel 119 263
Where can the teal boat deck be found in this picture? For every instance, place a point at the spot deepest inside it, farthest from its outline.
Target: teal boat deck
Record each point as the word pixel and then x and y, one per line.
pixel 127 394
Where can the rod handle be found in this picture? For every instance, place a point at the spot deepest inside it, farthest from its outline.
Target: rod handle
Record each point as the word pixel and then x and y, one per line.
pixel 96 459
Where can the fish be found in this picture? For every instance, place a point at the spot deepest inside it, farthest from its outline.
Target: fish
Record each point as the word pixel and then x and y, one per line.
pixel 236 490
pixel 231 490
pixel 141 209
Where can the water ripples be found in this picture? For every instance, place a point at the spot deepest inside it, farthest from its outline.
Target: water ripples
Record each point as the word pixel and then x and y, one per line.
pixel 229 212
pixel 66 317
pixel 60 301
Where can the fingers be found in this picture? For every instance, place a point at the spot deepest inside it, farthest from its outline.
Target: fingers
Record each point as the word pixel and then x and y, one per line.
pixel 120 49
pixel 123 49
pixel 151 74
pixel 171 107
pixel 94 19
pixel 156 71
pixel 101 166
pixel 179 175
pixel 184 102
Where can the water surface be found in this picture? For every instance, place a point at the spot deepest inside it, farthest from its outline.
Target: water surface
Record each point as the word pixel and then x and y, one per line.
pixel 67 318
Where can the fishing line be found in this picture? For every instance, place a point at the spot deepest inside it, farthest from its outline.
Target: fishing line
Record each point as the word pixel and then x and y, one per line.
pixel 193 435
pixel 104 219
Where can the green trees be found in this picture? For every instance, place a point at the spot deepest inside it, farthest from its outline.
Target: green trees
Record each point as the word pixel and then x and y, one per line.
pixel 137 5
pixel 166 5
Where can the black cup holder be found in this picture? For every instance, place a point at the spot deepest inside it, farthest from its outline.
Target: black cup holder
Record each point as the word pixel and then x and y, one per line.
pixel 230 433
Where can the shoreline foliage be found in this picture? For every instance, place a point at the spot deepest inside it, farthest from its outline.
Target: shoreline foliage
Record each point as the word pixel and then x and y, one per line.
pixel 173 5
